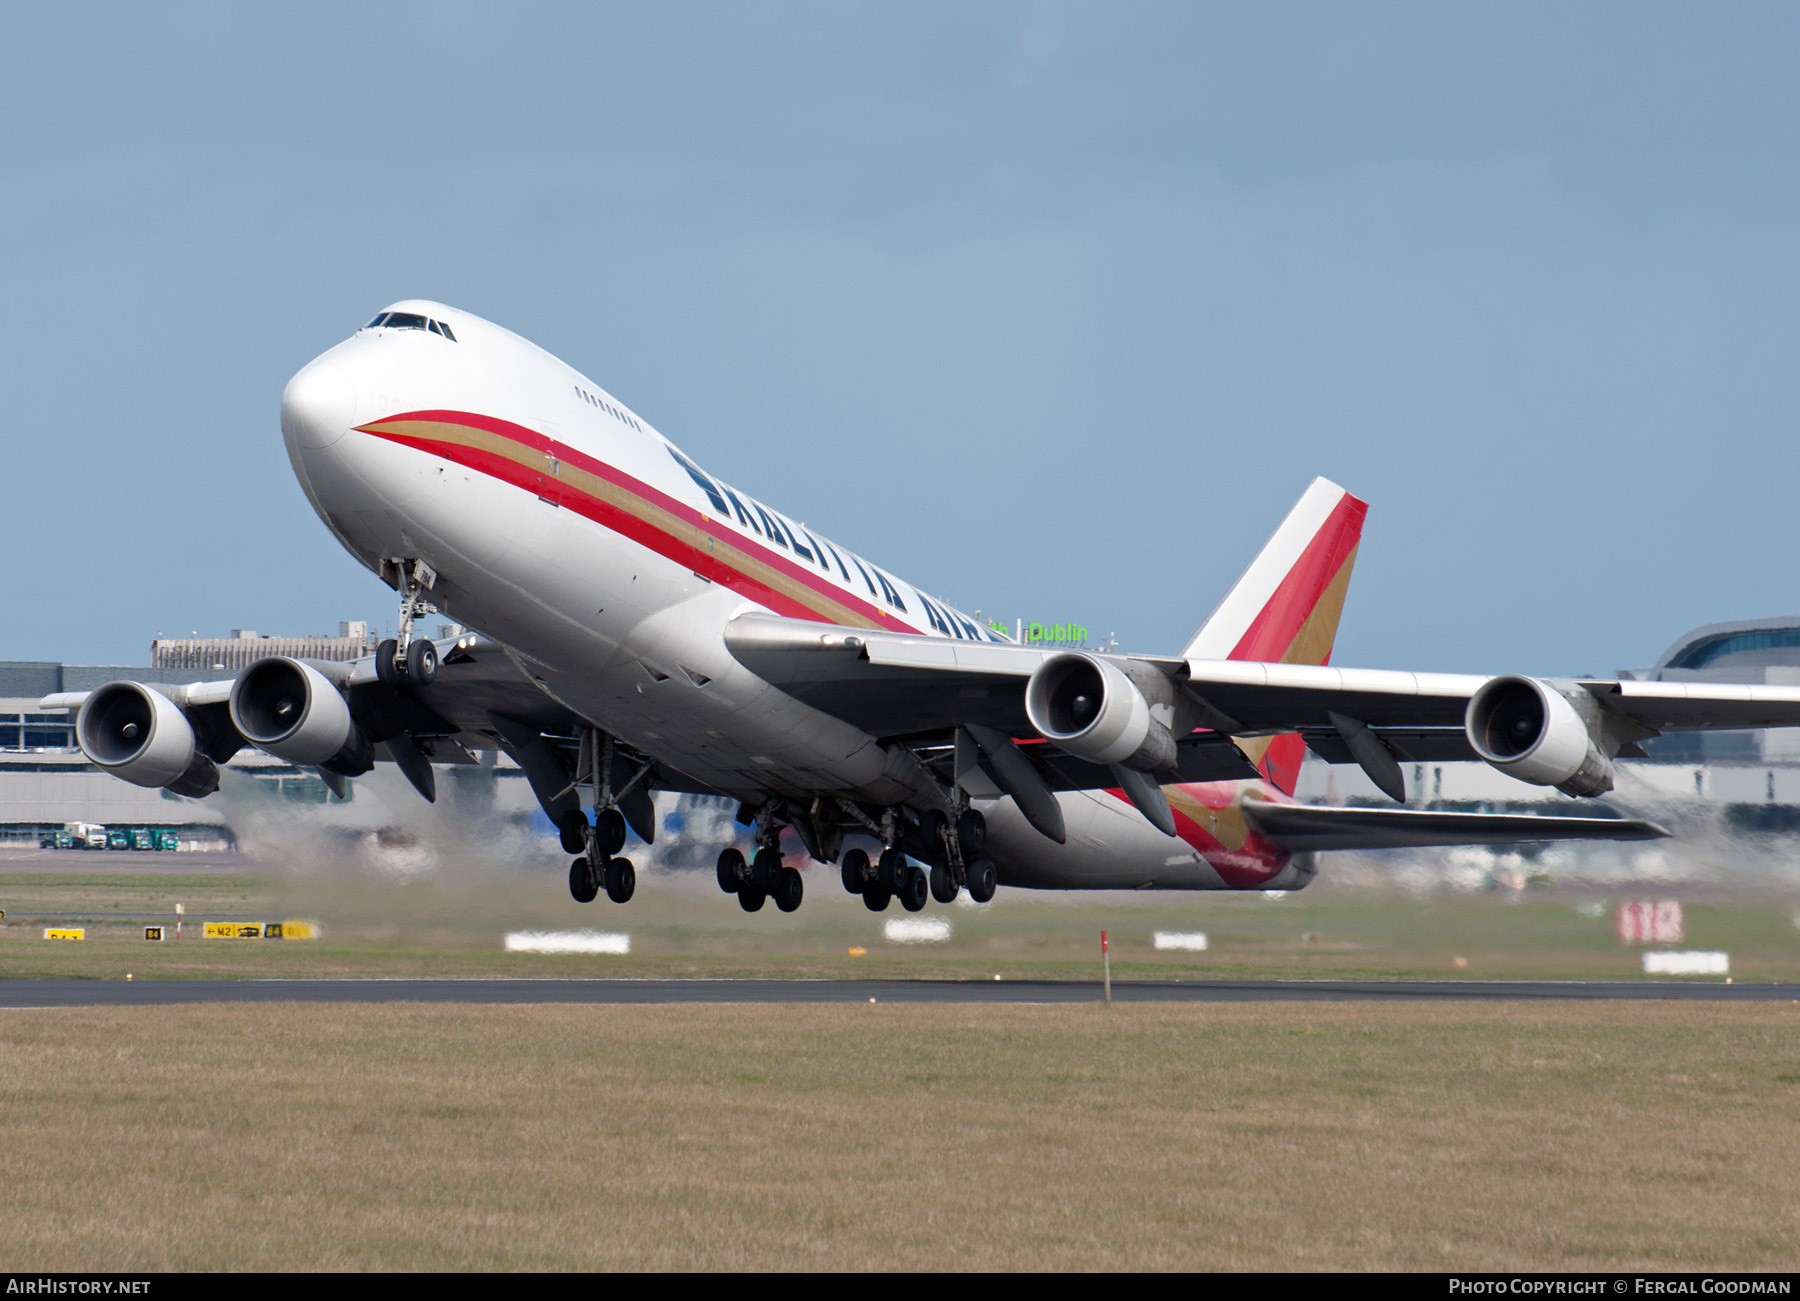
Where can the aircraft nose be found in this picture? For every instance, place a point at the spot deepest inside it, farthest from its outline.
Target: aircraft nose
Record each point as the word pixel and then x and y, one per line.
pixel 318 405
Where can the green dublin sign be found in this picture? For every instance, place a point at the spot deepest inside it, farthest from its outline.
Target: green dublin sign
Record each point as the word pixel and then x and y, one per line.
pixel 1072 633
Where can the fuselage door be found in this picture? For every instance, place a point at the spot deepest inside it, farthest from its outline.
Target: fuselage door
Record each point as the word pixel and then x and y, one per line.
pixel 548 468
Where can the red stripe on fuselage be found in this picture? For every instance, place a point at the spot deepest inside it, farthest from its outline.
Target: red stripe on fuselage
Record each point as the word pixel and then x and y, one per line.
pixel 1247 868
pixel 631 526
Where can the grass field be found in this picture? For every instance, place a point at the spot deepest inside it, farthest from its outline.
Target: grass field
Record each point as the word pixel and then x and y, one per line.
pixel 1587 1136
pixel 684 926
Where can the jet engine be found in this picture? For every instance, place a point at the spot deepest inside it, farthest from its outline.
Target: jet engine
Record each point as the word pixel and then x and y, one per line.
pixel 1529 730
pixel 1087 706
pixel 293 711
pixel 142 736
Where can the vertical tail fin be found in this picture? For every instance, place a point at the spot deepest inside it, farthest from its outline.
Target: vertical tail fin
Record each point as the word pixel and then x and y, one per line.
pixel 1285 607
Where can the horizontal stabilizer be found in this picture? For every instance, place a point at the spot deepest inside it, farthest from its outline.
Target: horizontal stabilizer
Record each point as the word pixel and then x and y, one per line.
pixel 1302 827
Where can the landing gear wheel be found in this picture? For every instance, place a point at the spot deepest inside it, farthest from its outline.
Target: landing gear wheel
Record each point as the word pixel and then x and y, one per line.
pixel 789 890
pixel 765 870
pixel 387 663
pixel 731 869
pixel 422 662
pixel 855 870
pixel 609 827
pixel 582 882
pixel 621 880
pixel 750 898
pixel 971 833
pixel 913 889
pixel 875 899
pixel 982 880
pixel 943 885
pixel 932 825
pixel 889 870
pixel 574 830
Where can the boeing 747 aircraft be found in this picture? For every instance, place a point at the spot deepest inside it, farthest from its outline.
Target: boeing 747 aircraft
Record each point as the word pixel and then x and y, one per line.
pixel 641 625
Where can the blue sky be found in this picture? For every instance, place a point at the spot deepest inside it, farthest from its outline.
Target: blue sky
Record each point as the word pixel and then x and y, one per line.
pixel 1052 308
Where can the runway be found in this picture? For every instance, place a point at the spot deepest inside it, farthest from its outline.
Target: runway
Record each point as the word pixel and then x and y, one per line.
pixel 23 994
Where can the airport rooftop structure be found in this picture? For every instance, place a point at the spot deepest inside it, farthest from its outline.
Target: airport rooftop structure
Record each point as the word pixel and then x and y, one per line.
pixel 245 646
pixel 1755 651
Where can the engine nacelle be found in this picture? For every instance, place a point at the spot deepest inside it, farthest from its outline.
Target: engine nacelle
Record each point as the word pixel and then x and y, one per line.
pixel 142 736
pixel 1086 706
pixel 1529 730
pixel 293 711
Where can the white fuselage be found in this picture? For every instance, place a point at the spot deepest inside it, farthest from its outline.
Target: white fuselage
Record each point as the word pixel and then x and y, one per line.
pixel 564 527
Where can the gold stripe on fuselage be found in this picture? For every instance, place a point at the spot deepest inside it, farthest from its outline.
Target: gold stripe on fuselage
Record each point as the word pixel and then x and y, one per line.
pixel 600 488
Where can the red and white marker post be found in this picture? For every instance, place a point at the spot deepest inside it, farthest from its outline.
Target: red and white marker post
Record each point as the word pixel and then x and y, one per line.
pixel 1105 966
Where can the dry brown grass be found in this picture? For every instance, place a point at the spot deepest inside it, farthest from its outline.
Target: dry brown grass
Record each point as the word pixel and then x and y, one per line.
pixel 1276 1136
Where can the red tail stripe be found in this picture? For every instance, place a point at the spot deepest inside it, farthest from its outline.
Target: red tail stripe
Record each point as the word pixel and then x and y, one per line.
pixel 1280 620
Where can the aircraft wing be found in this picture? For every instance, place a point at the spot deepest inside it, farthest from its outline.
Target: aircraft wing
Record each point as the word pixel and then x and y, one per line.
pixel 909 685
pixel 475 680
pixel 1303 827
pixel 482 699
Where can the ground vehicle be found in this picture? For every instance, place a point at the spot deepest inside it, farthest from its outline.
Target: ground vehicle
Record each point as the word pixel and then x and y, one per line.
pixel 118 839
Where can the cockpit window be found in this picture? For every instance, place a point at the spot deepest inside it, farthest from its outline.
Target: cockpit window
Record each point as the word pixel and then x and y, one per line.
pixel 410 321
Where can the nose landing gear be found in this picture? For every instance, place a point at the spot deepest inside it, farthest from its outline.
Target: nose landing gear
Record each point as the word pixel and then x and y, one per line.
pixel 404 658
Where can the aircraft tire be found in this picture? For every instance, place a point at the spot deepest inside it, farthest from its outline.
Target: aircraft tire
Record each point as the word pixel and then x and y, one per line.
pixel 855 870
pixel 914 891
pixel 609 825
pixel 889 870
pixel 422 662
pixel 789 890
pixel 621 880
pixel 731 869
pixel 875 898
pixel 387 663
pixel 573 829
pixel 943 885
pixel 750 899
pixel 982 880
pixel 581 881
pixel 932 825
pixel 765 870
pixel 971 833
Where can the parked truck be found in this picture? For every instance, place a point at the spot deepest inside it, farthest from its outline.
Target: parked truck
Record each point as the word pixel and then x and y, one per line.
pixel 75 835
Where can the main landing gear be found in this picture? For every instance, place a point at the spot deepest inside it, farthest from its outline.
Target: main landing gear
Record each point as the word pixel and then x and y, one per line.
pixel 888 876
pixel 955 852
pixel 597 863
pixel 763 876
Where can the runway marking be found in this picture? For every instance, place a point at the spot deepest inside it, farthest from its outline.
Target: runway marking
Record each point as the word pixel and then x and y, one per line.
pixel 45 994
